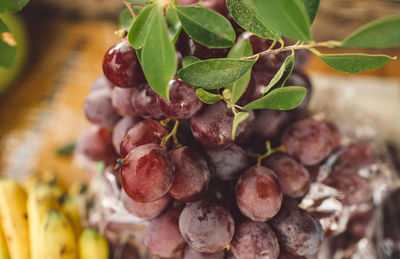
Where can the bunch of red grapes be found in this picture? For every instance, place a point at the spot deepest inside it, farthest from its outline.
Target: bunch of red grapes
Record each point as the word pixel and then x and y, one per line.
pixel 203 195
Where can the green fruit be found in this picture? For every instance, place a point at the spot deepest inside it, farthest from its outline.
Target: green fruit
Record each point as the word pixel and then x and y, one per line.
pixel 17 28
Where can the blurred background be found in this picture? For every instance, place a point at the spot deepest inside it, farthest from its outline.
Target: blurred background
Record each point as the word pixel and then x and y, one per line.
pixel 63 46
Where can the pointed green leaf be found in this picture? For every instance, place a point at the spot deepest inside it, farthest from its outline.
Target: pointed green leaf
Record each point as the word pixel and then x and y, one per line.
pixel 186 61
pixel 125 19
pixel 288 17
pixel 215 73
pixel 12 5
pixel 312 7
pixel 241 49
pixel 159 61
pixel 377 34
pixel 245 16
pixel 8 46
pixel 140 27
pixel 206 26
pixel 354 63
pixel 285 98
pixel 282 75
pixel 239 118
pixel 207 97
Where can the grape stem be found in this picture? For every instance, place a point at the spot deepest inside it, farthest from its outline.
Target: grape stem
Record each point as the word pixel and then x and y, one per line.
pixel 269 152
pixel 173 135
pixel 270 51
pixel 129 6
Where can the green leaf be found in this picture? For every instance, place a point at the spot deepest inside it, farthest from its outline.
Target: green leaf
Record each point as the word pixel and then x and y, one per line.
pixel 288 17
pixel 377 34
pixel 186 61
pixel 12 5
pixel 285 98
pixel 241 49
pixel 125 19
pixel 206 26
pixel 239 118
pixel 215 73
pixel 282 75
pixel 159 61
pixel 171 16
pixel 354 63
pixel 312 7
pixel 140 26
pixel 245 16
pixel 8 46
pixel 207 97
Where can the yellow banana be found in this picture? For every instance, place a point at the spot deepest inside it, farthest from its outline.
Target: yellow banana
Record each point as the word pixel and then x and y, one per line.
pixel 56 237
pixel 77 188
pixel 92 245
pixel 13 216
pixel 3 246
pixel 41 198
pixel 70 208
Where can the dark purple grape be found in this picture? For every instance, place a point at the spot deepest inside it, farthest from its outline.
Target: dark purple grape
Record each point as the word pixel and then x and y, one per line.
pixel 100 83
pixel 255 240
pixel 188 47
pixel 121 99
pixel 215 5
pixel 270 124
pixel 144 210
pixel 221 192
pixel 190 253
pixel 183 102
pixel 245 129
pixel 337 138
pixel 212 126
pixel 355 156
pixel 258 194
pixel 309 140
pixel 228 163
pixel 298 231
pixel 147 173
pixel 143 132
pixel 145 104
pixel 361 224
pixel 303 57
pixel 125 251
pixel 162 237
pixel 352 188
pixel 121 65
pixel 120 130
pixel 293 177
pixel 191 174
pixel 298 78
pixel 98 108
pixel 206 226
pixel 95 143
pixel 287 255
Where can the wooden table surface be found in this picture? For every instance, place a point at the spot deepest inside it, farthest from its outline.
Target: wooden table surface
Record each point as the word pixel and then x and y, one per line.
pixel 44 110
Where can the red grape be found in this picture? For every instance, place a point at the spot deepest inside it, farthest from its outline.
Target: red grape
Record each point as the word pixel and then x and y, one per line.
pixel 269 124
pixel 95 143
pixel 121 65
pixel 212 126
pixel 145 104
pixel 293 177
pixel 183 102
pixel 206 226
pixel 100 83
pixel 120 130
pixel 98 108
pixel 255 240
pixel 356 155
pixel 144 210
pixel 308 140
pixel 121 99
pixel 228 163
pixel 147 173
pixel 190 253
pixel 162 236
pixel 258 195
pixel 298 78
pixel 143 132
pixel 298 231
pixel 191 174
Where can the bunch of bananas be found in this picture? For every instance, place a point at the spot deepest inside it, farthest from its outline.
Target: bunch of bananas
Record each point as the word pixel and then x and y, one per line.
pixel 40 222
